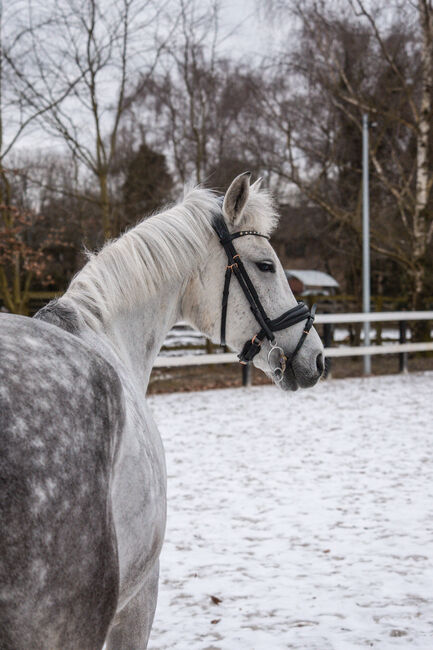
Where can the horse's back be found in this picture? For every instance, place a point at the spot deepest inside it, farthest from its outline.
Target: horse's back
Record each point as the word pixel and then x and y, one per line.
pixel 60 416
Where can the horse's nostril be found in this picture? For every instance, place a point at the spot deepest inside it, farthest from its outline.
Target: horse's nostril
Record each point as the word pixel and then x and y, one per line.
pixel 319 362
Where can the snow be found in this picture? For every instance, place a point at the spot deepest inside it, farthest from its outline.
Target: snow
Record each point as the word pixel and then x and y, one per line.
pixel 308 514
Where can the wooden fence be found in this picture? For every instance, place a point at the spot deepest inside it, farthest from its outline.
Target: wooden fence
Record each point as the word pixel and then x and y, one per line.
pixel 402 348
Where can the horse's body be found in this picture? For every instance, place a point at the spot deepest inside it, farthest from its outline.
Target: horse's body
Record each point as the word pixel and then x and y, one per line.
pixel 82 471
pixel 58 542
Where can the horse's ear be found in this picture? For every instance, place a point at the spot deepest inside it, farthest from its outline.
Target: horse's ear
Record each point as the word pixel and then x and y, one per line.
pixel 236 198
pixel 257 183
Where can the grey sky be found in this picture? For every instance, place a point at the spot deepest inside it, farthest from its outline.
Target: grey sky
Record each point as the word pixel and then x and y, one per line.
pixel 244 34
pixel 252 36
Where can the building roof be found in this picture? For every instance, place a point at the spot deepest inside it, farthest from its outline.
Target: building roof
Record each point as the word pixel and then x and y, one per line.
pixel 312 278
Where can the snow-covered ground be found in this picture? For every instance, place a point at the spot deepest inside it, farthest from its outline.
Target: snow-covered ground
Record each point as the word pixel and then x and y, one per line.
pixel 301 520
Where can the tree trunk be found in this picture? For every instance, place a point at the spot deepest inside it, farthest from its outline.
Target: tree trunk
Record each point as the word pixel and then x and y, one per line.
pixel 423 172
pixel 15 297
pixel 105 206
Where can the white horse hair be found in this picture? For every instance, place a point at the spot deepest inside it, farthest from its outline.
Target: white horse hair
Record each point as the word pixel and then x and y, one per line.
pixel 169 245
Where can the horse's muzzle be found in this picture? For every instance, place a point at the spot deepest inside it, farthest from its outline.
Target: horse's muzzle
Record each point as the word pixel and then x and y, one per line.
pixel 298 375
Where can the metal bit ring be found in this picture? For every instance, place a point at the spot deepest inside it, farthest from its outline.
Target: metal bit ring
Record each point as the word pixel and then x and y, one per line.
pixel 277 362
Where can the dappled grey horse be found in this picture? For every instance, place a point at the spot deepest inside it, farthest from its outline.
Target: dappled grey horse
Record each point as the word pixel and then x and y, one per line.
pixel 82 471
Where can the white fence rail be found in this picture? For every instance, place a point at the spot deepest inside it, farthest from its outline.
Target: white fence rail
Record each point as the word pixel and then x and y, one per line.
pixel 194 360
pixel 375 317
pixel 401 348
pixel 393 348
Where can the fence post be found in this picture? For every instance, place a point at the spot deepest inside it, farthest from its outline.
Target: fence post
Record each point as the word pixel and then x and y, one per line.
pixel 403 356
pixel 328 337
pixel 247 375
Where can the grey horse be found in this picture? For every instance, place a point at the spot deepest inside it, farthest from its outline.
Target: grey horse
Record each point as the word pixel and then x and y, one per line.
pixel 82 470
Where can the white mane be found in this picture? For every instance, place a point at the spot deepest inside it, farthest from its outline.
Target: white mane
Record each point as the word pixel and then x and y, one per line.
pixel 166 246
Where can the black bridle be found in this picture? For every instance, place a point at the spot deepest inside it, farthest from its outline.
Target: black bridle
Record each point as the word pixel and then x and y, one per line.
pixel 268 326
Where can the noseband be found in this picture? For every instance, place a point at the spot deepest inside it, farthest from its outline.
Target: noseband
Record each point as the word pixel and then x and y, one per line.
pixel 268 326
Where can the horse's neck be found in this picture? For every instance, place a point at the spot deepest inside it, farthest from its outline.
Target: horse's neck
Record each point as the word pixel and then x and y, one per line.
pixel 138 334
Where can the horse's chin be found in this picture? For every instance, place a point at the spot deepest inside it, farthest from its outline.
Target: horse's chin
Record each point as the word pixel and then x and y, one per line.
pixel 289 381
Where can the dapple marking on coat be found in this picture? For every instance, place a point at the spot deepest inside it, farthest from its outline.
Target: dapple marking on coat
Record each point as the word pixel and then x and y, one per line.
pixel 82 470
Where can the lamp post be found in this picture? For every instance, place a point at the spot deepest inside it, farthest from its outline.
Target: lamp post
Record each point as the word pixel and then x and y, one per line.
pixel 365 240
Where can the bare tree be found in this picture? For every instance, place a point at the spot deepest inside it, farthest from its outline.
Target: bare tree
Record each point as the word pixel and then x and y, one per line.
pixel 351 60
pixel 410 185
pixel 22 89
pixel 106 45
pixel 187 86
pixel 198 99
pixel 23 256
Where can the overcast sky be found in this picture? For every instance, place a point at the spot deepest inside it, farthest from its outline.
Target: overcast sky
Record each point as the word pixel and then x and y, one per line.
pixel 244 34
pixel 252 35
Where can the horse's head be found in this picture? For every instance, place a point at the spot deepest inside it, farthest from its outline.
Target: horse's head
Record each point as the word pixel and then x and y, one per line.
pixel 259 293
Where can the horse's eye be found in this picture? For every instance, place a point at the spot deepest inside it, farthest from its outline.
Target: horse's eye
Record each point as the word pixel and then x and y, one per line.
pixel 266 266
